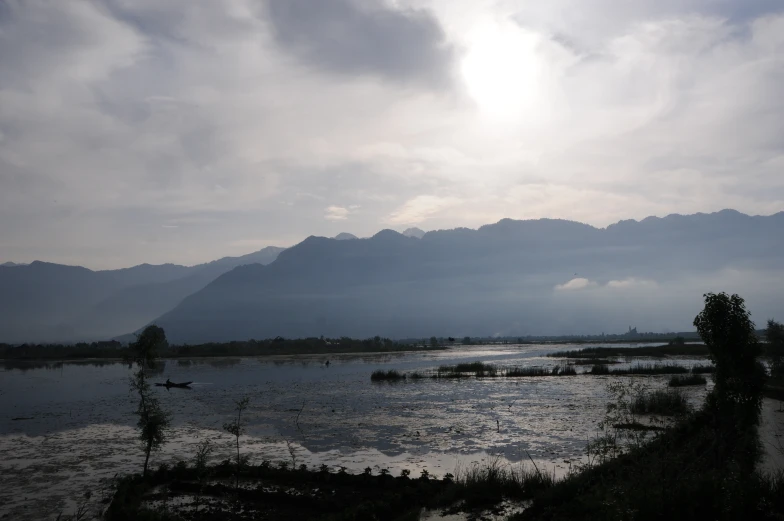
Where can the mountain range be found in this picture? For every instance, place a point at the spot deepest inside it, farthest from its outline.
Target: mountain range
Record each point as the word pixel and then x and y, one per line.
pixel 537 277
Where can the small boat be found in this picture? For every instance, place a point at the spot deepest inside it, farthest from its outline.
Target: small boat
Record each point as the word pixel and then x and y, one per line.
pixel 168 384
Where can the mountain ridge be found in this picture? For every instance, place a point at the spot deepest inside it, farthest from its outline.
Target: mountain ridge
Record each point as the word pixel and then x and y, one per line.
pixel 401 287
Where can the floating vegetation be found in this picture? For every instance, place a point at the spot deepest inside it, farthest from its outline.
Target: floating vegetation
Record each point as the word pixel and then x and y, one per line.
pixel 557 370
pixel 703 369
pixel 390 375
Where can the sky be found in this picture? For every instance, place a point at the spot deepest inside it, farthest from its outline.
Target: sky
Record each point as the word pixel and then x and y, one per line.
pixel 182 131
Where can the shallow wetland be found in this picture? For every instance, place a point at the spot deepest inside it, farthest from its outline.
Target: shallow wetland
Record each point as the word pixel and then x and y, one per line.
pixel 67 429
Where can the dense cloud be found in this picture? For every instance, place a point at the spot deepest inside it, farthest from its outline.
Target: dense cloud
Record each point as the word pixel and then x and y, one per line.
pixel 349 37
pixel 141 131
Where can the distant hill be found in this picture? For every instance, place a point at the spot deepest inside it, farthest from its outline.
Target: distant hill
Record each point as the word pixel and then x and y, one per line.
pixel 539 277
pixel 414 232
pixel 46 302
pixel 10 265
pixel 345 236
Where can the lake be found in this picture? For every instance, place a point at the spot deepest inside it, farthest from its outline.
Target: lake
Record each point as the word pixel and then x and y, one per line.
pixel 68 428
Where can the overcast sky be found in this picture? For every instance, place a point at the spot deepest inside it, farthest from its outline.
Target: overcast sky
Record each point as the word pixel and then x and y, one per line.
pixel 182 131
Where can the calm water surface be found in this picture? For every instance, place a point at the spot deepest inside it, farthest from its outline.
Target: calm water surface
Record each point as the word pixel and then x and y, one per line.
pixel 68 428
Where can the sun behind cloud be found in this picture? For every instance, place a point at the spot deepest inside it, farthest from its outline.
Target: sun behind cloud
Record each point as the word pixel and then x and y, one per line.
pixel 501 69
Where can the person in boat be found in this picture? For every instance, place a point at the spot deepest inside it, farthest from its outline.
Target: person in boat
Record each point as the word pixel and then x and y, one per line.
pixel 168 382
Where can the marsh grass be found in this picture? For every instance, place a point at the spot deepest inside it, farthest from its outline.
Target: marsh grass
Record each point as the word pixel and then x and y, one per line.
pixel 489 483
pixel 515 372
pixel 602 369
pixel 684 380
pixel 703 369
pixel 661 402
pixel 479 369
pixel 390 375
pixel 645 351
pixel 651 369
pixel 566 370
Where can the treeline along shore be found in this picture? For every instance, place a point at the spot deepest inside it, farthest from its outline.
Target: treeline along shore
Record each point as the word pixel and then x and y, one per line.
pixel 276 346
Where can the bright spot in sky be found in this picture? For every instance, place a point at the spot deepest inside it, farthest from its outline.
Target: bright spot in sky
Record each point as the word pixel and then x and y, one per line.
pixel 501 70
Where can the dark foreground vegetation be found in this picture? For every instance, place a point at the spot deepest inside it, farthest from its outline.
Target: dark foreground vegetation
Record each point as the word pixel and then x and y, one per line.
pixel 277 346
pixel 704 467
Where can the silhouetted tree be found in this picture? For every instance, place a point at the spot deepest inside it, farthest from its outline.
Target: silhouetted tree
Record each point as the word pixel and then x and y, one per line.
pixel 774 334
pixel 726 328
pixel 235 428
pixel 153 420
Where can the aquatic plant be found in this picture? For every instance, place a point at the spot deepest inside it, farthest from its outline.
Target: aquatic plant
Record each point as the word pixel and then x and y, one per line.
pixel 602 369
pixel 516 372
pixel 391 374
pixel 479 369
pixel 703 369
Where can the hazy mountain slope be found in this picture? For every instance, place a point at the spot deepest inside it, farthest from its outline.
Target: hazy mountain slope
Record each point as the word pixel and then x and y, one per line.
pixel 39 298
pixel 513 277
pixel 45 302
pixel 135 306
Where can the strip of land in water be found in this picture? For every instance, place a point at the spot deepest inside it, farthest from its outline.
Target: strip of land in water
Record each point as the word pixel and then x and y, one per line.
pixel 309 346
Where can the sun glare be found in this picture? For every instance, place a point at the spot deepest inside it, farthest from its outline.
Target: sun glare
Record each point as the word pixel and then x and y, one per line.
pixel 501 70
